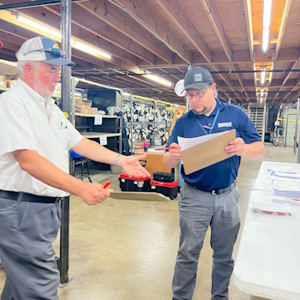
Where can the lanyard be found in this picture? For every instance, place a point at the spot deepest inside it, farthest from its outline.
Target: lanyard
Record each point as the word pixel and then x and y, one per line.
pixel 212 126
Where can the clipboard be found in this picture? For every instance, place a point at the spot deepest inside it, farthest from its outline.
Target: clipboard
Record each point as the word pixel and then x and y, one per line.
pixel 207 153
pixel 143 196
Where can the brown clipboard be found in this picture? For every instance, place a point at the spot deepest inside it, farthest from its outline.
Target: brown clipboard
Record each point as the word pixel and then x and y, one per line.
pixel 143 196
pixel 207 153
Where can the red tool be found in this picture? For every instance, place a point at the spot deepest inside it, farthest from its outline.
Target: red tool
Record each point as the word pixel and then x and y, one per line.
pixel 106 184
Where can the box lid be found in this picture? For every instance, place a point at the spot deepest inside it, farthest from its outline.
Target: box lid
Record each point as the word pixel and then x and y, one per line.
pixel 140 178
pixel 164 184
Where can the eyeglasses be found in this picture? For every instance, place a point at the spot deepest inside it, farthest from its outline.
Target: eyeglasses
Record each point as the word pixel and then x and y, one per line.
pixel 197 93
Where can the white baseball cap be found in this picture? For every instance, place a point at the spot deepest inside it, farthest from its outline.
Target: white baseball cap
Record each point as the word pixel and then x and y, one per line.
pixel 42 49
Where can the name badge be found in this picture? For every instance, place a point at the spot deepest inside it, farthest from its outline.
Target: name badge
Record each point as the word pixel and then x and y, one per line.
pixel 225 124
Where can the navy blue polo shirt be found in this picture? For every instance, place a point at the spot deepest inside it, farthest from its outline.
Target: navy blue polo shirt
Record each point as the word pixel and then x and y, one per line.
pixel 222 174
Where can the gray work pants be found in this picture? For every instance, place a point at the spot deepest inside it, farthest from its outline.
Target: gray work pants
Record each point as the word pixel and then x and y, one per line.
pixel 197 211
pixel 27 231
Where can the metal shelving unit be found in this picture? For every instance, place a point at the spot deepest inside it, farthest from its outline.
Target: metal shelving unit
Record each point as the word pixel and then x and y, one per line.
pixel 155 123
pixel 257 114
pixel 110 128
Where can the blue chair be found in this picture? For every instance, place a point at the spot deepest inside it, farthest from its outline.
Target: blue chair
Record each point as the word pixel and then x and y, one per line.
pixel 82 161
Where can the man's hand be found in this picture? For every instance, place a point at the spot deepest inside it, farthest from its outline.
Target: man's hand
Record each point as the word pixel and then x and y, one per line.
pixel 94 193
pixel 132 166
pixel 236 147
pixel 173 157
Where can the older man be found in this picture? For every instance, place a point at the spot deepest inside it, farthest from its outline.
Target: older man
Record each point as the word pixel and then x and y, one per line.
pixel 35 142
pixel 209 196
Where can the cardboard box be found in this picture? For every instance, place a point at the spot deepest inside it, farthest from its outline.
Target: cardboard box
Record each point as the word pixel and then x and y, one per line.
pixel 155 161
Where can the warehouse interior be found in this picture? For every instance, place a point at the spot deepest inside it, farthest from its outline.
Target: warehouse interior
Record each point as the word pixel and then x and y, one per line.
pixel 130 60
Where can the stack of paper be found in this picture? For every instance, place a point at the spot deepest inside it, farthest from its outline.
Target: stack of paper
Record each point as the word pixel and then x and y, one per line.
pixel 286 186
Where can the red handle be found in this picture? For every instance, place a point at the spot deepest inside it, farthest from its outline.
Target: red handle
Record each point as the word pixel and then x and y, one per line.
pixel 106 184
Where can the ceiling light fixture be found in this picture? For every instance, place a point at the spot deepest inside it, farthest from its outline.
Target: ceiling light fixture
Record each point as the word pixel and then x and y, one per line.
pixel 84 47
pixel 261 93
pixel 39 27
pixel 7 62
pixel 51 32
pixel 76 43
pixel 96 83
pixel 158 79
pixel 266 24
pixel 263 76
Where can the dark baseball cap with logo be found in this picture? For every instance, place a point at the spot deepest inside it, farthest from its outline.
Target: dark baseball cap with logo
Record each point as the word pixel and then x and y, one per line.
pixel 42 49
pixel 197 78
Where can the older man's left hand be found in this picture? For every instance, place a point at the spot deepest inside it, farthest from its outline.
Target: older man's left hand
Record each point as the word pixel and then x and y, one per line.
pixel 132 166
pixel 236 147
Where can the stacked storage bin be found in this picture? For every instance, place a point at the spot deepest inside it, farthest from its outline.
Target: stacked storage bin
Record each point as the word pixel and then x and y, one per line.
pixel 165 184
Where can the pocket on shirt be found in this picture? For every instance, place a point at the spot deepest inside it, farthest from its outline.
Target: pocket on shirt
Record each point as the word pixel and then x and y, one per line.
pixel 62 138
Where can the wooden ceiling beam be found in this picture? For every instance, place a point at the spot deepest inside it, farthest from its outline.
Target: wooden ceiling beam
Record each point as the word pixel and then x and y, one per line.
pixel 286 77
pixel 297 85
pixel 282 29
pixel 238 57
pixel 120 21
pixel 249 26
pixel 51 16
pixel 279 40
pixel 83 20
pixel 140 11
pixel 183 23
pixel 212 14
pixel 215 21
pixel 188 29
pixel 112 37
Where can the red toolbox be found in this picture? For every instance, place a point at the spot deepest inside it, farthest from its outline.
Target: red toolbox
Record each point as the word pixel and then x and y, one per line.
pixel 134 184
pixel 169 189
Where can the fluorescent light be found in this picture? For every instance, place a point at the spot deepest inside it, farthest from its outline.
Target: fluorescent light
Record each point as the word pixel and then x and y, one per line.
pixel 126 94
pixel 89 49
pixel 261 93
pixel 263 76
pixel 266 24
pixel 156 78
pixel 7 62
pixel 40 27
pixel 51 32
pixel 159 79
pixel 96 83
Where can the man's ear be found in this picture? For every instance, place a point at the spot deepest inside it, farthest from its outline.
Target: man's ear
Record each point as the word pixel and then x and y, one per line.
pixel 213 86
pixel 28 69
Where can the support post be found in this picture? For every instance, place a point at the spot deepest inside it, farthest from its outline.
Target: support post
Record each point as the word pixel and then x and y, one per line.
pixel 296 129
pixel 66 107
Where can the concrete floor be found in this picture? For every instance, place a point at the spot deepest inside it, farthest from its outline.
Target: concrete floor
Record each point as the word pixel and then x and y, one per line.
pixel 124 250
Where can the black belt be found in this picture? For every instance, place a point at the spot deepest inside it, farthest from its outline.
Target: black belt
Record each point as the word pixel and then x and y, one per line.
pixel 221 191
pixel 26 197
pixel 224 190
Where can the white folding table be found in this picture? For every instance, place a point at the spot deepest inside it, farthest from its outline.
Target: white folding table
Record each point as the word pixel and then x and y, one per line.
pixel 268 259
